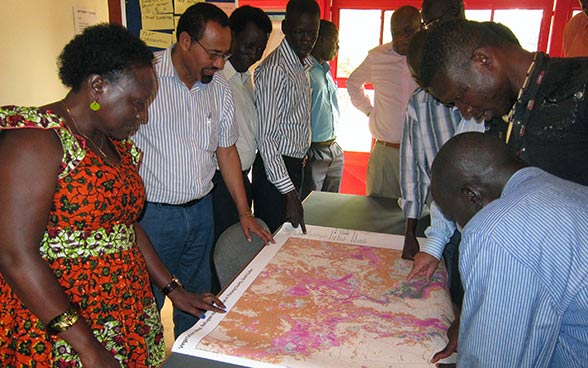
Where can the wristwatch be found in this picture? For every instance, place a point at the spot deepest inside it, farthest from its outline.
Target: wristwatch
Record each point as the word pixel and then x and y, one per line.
pixel 173 284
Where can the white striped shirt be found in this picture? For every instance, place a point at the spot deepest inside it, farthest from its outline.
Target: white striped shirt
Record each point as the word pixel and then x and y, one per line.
pixel 185 128
pixel 524 267
pixel 283 100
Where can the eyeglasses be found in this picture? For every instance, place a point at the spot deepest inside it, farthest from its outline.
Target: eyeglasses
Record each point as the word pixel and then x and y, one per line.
pixel 435 21
pixel 213 55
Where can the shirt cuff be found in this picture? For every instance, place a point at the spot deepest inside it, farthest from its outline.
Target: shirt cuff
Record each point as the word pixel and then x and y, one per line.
pixel 433 246
pixel 411 209
pixel 284 185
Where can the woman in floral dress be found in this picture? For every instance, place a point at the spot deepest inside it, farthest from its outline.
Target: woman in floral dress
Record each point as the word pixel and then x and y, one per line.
pixel 75 265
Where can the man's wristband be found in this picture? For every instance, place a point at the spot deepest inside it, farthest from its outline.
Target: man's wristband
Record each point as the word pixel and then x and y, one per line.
pixel 173 284
pixel 245 214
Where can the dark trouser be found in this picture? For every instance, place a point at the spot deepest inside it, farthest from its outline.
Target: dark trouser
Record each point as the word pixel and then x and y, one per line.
pixel 224 208
pixel 269 204
pixel 451 256
pixel 225 214
pixel 182 237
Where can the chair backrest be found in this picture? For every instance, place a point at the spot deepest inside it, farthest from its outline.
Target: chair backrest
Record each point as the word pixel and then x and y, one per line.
pixel 232 252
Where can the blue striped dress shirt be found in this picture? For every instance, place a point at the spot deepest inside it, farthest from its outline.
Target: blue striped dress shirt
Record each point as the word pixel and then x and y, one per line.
pixel 184 130
pixel 428 124
pixel 524 266
pixel 283 101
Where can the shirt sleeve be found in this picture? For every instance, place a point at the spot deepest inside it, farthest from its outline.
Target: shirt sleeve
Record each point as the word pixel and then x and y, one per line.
pixel 438 234
pixel 270 92
pixel 508 317
pixel 414 185
pixel 229 132
pixel 356 86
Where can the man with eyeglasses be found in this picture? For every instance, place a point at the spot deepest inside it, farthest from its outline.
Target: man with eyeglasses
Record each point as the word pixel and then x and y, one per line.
pixel 385 68
pixel 282 98
pixel 191 128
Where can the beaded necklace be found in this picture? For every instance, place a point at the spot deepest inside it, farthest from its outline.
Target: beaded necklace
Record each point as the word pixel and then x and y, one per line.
pixel 99 147
pixel 510 116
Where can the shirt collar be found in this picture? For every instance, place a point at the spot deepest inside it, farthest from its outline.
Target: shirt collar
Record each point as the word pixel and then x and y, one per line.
pixel 291 56
pixel 229 70
pixel 390 48
pixel 518 177
pixel 165 65
pixel 324 66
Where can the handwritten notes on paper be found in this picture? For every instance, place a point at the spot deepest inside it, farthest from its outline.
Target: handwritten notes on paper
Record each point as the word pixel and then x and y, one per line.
pixel 180 6
pixel 156 39
pixel 157 21
pixel 156 6
pixel 159 18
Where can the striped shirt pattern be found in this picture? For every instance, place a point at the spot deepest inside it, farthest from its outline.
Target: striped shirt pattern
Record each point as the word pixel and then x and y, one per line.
pixel 524 266
pixel 428 124
pixel 185 128
pixel 283 101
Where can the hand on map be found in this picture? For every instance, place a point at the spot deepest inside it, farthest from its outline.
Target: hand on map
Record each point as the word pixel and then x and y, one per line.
pixel 410 248
pixel 451 347
pixel 250 225
pixel 424 264
pixel 294 210
pixel 196 304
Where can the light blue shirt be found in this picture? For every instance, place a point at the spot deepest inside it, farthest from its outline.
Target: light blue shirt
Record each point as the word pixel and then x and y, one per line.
pixel 524 267
pixel 325 107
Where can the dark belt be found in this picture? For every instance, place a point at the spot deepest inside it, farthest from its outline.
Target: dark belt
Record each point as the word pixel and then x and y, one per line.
pixel 388 144
pixel 183 205
pixel 325 143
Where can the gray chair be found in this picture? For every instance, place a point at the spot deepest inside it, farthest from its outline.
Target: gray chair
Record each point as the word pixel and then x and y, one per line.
pixel 232 252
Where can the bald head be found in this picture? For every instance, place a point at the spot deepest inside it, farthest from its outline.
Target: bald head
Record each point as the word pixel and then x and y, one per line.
pixel 469 172
pixel 405 22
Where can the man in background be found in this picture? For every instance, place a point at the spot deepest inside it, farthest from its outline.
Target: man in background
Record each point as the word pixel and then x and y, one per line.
pixel 523 256
pixel 575 37
pixel 250 29
pixel 282 98
pixel 324 166
pixel 385 68
pixel 190 128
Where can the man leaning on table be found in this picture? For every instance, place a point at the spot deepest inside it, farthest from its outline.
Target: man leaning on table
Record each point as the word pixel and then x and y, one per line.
pixel 190 128
pixel 282 98
pixel 385 68
pixel 523 256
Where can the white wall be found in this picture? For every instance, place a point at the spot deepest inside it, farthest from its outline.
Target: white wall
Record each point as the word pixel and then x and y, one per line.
pixel 32 34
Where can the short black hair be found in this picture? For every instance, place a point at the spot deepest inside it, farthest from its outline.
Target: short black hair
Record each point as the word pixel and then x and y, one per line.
pixel 194 19
pixel 246 14
pixel 451 44
pixel 106 49
pixel 455 4
pixel 327 28
pixel 302 7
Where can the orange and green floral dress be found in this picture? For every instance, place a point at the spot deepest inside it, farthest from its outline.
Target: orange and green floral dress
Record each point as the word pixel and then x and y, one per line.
pixel 90 244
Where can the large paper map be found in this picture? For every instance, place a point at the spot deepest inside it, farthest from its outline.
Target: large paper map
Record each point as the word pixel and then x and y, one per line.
pixel 318 301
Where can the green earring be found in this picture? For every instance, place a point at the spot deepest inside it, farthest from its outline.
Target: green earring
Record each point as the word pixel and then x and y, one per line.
pixel 95 106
